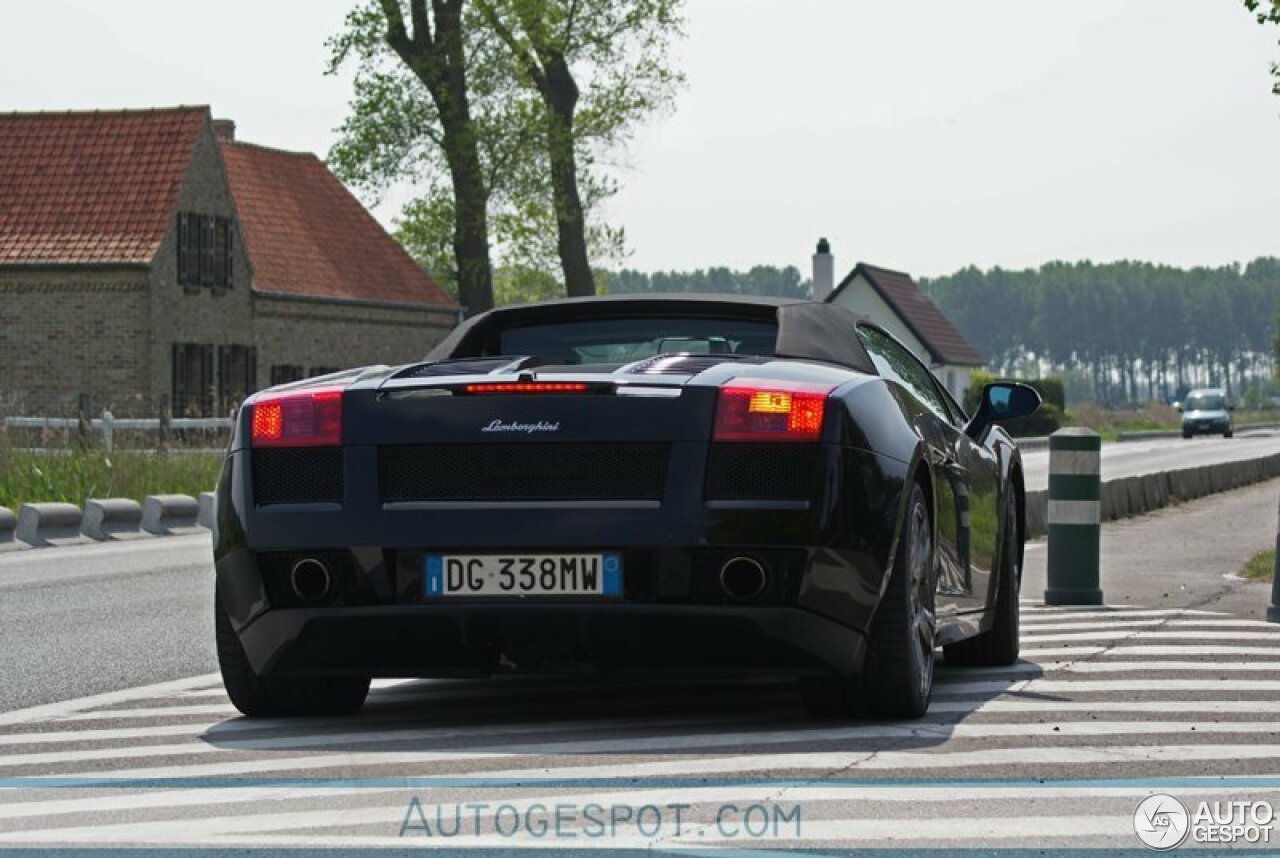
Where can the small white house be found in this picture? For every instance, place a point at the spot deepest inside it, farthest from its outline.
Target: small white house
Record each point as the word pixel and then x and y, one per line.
pixel 894 301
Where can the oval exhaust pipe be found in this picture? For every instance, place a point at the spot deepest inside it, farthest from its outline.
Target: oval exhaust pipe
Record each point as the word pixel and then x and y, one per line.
pixel 310 580
pixel 743 578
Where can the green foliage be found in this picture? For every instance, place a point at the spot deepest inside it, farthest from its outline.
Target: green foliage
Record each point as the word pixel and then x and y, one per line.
pixel 1047 419
pixel 1051 391
pixel 978 379
pixel 73 475
pixel 1124 331
pixel 1261 566
pixel 1267 15
pixel 759 280
pixel 392 136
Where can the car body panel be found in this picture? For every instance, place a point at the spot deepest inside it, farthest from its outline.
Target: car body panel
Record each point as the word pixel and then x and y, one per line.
pixel 828 543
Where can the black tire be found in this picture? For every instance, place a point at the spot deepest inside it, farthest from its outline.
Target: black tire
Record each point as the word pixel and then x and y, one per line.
pixel 277 696
pixel 897 679
pixel 1228 433
pixel 1185 434
pixel 999 645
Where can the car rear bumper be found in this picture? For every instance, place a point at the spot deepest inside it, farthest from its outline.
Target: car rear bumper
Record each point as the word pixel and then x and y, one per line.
pixel 1206 428
pixel 482 640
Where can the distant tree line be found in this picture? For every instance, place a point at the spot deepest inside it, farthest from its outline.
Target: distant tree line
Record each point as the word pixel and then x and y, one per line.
pixel 759 280
pixel 1123 331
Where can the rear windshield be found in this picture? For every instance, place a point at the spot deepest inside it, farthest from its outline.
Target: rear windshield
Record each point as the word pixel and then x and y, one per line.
pixel 1205 402
pixel 610 341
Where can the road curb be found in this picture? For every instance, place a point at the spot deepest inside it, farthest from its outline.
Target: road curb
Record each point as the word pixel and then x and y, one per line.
pixel 42 525
pixel 170 515
pixel 208 502
pixel 107 519
pixel 1131 496
pixel 8 524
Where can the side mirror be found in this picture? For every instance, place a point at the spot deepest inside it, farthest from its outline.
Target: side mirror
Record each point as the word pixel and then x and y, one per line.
pixel 1002 400
pixel 1177 406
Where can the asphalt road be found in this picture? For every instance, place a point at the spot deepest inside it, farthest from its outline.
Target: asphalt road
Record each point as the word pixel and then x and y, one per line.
pixel 1175 680
pixel 1134 458
pixel 95 618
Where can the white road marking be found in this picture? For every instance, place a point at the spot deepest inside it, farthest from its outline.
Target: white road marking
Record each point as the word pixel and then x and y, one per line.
pixel 1033 629
pixel 111 698
pixel 1054 705
pixel 1064 686
pixel 219 830
pixel 1037 668
pixel 1034 724
pixel 665 794
pixel 1129 649
pixel 1111 634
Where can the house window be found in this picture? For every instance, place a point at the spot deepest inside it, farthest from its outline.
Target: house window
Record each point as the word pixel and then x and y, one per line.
pixel 205 251
pixel 283 373
pixel 237 375
pixel 192 380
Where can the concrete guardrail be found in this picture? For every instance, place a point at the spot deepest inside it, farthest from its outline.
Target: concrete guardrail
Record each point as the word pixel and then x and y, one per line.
pixel 8 524
pixel 1130 496
pixel 170 515
pixel 208 509
pixel 49 524
pixel 112 518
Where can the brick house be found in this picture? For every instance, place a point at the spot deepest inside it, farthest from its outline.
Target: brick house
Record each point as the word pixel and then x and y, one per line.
pixel 148 254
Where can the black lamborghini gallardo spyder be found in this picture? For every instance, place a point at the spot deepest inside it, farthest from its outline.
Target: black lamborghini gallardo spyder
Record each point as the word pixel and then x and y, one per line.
pixel 658 485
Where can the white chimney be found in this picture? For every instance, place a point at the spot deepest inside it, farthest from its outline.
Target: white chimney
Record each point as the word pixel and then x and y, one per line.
pixel 824 271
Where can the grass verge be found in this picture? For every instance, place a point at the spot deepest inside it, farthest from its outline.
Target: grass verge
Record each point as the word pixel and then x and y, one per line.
pixel 74 475
pixel 1261 566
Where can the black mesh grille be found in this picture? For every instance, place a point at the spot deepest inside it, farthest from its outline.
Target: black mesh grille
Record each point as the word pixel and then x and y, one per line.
pixel 762 471
pixel 304 475
pixel 498 472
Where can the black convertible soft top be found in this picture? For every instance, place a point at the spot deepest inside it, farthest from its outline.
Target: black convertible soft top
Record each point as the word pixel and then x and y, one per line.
pixel 807 330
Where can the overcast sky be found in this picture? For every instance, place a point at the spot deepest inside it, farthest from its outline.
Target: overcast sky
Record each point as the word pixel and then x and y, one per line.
pixel 917 135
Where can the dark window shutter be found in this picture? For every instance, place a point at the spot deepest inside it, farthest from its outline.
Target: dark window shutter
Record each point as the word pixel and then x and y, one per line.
pixel 191 264
pixel 206 250
pixel 231 253
pixel 221 258
pixel 183 227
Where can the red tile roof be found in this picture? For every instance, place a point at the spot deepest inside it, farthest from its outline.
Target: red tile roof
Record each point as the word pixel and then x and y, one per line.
pixel 91 187
pixel 946 345
pixel 307 235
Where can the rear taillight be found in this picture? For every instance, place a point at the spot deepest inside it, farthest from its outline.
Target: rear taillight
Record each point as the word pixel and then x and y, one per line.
pixel 770 410
pixel 527 387
pixel 307 419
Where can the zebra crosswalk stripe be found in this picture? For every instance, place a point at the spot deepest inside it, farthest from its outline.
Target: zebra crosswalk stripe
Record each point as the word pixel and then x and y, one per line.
pixel 1107 706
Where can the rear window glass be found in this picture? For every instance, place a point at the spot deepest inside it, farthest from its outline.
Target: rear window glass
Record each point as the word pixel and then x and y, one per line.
pixel 618 341
pixel 1205 402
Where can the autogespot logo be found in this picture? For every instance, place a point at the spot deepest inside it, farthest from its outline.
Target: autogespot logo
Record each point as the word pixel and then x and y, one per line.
pixel 1161 822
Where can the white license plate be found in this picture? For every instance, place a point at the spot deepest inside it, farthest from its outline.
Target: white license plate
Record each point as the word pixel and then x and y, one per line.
pixel 522 574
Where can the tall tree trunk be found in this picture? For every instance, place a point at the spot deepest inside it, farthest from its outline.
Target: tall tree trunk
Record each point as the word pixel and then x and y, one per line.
pixel 561 95
pixel 438 59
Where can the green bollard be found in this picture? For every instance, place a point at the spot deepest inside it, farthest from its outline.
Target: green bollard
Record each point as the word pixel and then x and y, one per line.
pixel 1075 517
